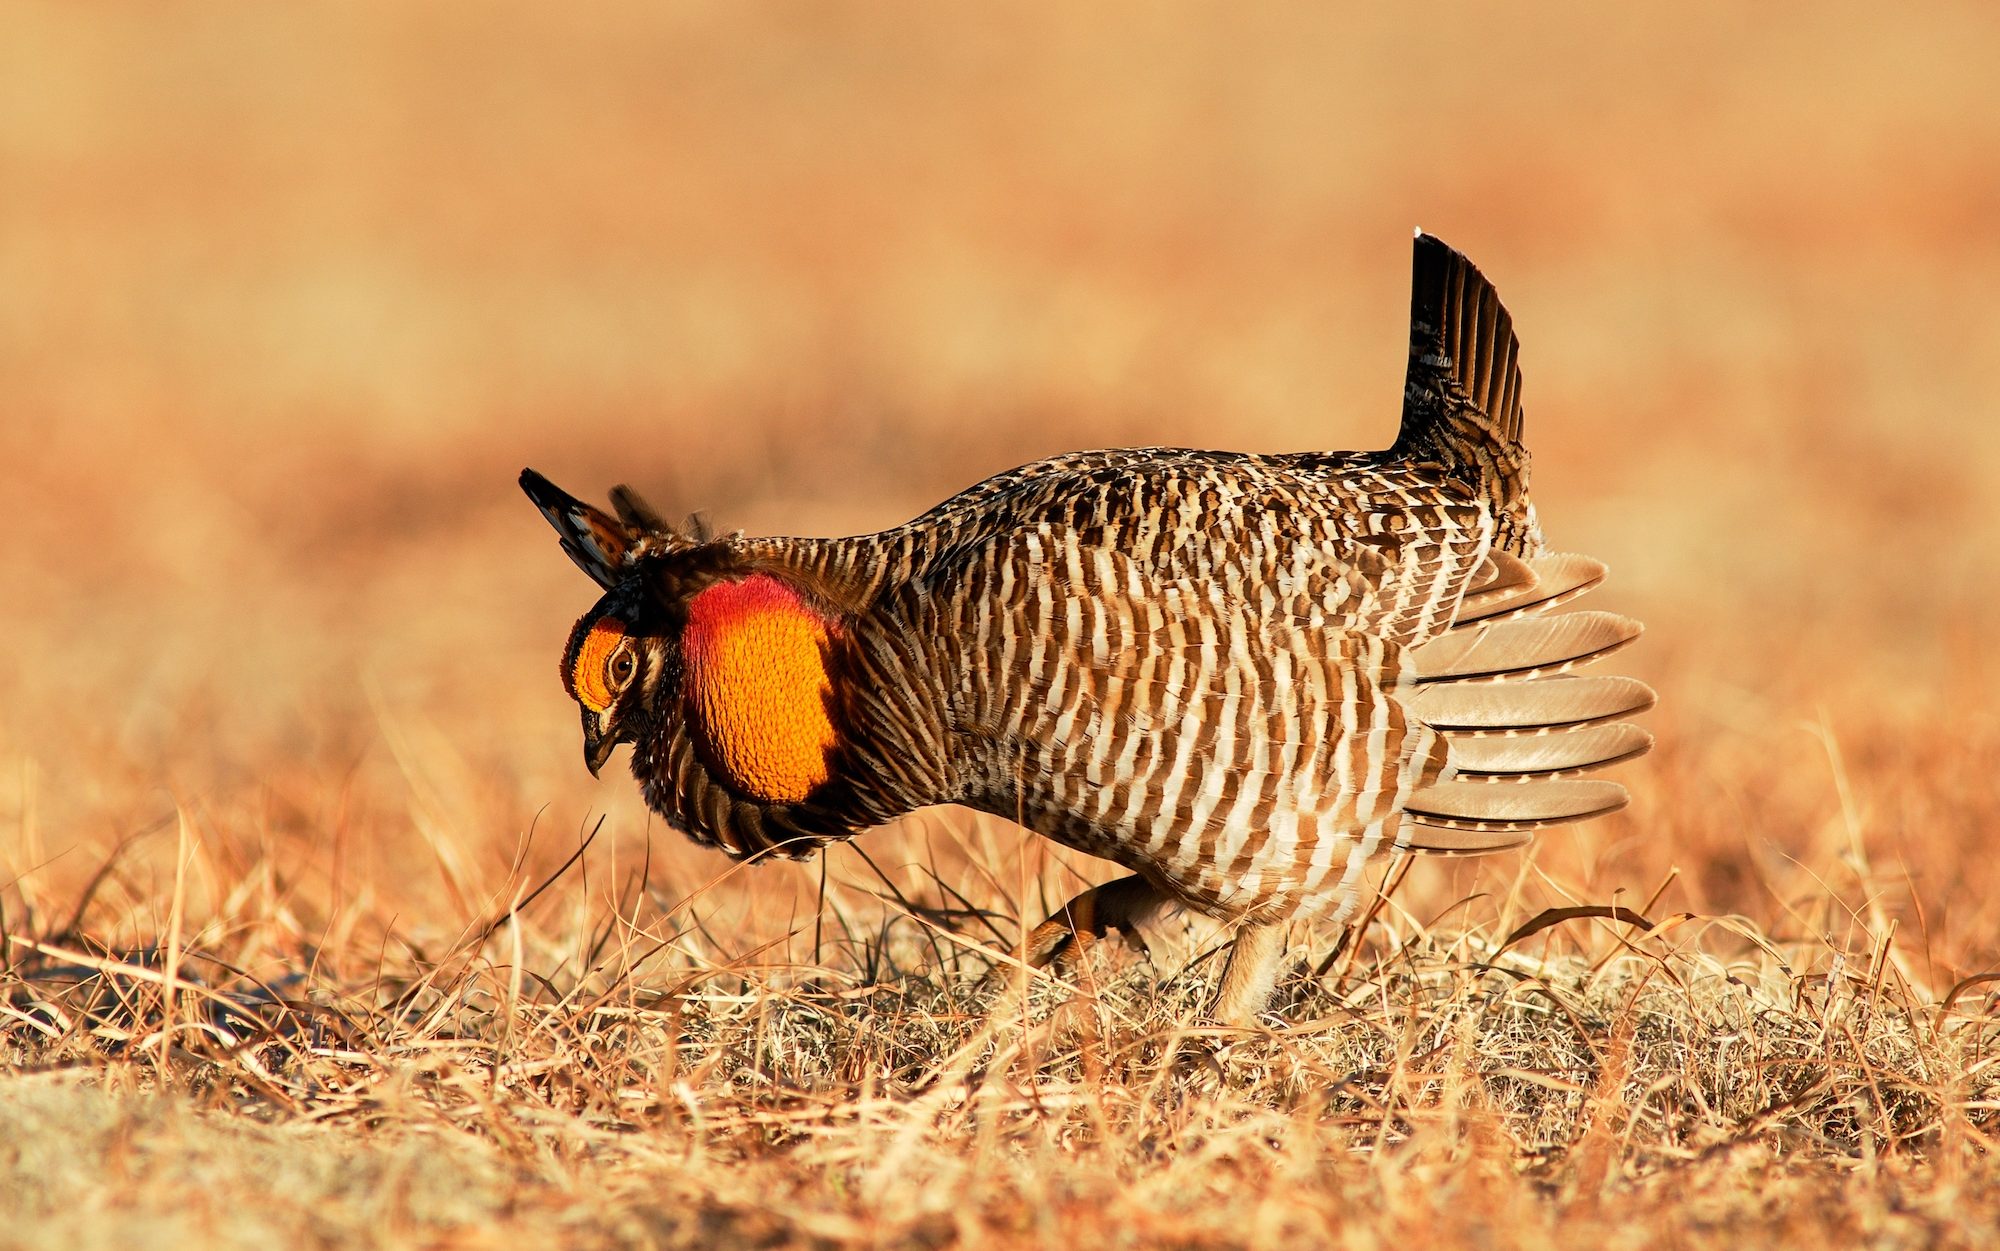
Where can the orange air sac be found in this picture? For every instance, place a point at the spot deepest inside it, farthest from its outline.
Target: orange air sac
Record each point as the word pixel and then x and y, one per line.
pixel 756 681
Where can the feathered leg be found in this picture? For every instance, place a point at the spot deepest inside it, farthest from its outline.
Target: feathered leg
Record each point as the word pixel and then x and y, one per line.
pixel 1250 975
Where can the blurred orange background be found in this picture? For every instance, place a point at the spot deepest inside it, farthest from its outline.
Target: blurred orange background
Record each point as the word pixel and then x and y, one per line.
pixel 288 295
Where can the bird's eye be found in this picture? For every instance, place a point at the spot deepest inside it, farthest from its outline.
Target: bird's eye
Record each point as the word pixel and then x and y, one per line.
pixel 623 666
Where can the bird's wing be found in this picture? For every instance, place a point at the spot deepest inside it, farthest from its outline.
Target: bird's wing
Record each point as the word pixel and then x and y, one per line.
pixel 1082 658
pixel 1521 729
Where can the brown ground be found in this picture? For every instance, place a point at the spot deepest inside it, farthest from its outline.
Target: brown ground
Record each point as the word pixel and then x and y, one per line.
pixel 288 295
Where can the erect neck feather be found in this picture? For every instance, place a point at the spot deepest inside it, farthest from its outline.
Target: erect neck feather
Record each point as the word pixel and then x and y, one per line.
pixel 755 653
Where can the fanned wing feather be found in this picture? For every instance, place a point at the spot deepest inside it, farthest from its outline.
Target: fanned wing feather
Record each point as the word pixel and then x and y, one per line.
pixel 1552 579
pixel 1524 647
pixel 1464 805
pixel 1504 577
pixel 1530 707
pixel 1439 840
pixel 1538 757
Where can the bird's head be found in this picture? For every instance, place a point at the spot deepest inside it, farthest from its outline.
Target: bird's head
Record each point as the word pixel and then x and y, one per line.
pixel 611 670
pixel 692 639
pixel 740 664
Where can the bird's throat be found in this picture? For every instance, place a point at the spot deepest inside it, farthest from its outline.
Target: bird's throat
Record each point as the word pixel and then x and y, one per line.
pixel 757 683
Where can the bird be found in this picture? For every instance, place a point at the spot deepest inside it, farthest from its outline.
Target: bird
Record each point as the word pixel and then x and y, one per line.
pixel 1242 677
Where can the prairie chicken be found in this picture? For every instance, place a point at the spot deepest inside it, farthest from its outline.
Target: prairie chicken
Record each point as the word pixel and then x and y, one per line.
pixel 1243 677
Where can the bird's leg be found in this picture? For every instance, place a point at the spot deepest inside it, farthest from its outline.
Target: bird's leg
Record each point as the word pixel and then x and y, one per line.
pixel 1121 905
pixel 1250 975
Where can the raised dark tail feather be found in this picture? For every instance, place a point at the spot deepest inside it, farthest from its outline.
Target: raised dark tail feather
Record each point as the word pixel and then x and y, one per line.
pixel 1462 391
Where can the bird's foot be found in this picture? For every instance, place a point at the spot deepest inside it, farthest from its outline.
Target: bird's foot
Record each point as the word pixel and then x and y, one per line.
pixel 1063 943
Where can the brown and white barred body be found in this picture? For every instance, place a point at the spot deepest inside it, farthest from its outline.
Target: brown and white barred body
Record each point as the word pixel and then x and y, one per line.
pixel 1243 677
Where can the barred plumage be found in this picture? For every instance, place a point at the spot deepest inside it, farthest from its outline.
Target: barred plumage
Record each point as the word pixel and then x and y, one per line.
pixel 1244 677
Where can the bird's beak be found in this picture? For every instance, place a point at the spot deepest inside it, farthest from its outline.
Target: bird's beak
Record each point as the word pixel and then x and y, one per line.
pixel 597 745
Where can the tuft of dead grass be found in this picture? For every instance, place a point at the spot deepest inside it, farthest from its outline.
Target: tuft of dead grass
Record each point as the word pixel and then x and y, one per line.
pixel 1584 1071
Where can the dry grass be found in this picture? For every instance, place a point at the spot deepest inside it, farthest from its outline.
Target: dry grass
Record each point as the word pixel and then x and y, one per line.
pixel 300 944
